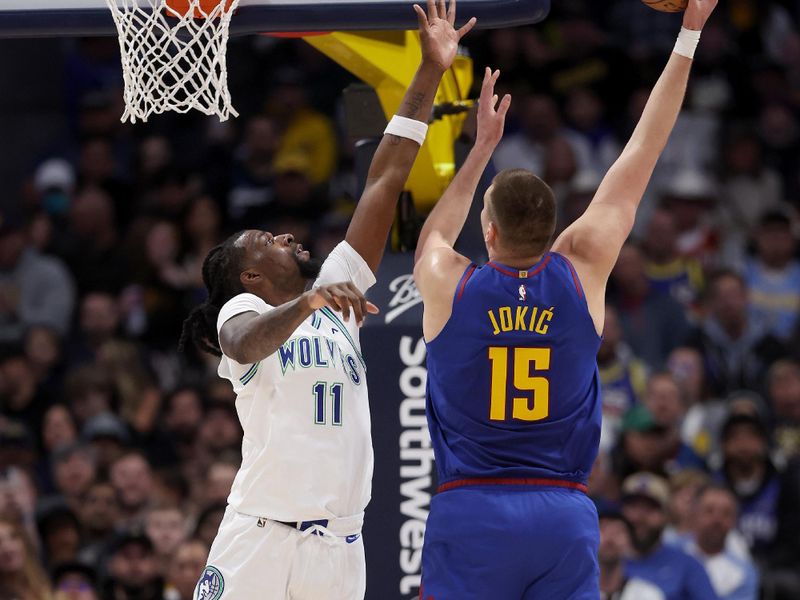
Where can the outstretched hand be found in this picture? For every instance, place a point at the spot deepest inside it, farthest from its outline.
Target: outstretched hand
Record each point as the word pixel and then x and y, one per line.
pixel 491 116
pixel 437 33
pixel 697 13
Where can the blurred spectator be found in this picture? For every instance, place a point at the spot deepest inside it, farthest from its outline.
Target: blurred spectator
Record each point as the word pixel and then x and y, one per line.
pixel 679 576
pixel 295 194
pixel 642 444
pixel 174 439
pixel 74 469
pixel 185 566
pixel 137 395
pixel 773 276
pixel 622 375
pixel 108 436
pixel 132 479
pixel 746 177
pixel 736 349
pixel 165 525
pixel 23 576
pixel 684 486
pixel 54 182
pixel 668 271
pixel 652 323
pixel 304 130
pixel 18 497
pixel 20 396
pixel 58 428
pixel 91 246
pixel 34 289
pixel 615 548
pixel 252 171
pixel 99 515
pixel 590 136
pixel 208 523
pixel 99 322
pixel 89 393
pixel 663 399
pixel 733 576
pixel 784 395
pixel 218 482
pixel 768 497
pixel 527 148
pixel 59 532
pixel 74 581
pixel 133 569
pixel 691 197
pixel 704 415
pixel 202 226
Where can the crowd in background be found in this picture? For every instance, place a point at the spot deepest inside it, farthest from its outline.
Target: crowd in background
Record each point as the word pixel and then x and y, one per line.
pixel 117 452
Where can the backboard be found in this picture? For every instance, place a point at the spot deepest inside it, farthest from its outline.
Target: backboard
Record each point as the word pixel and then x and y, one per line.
pixel 48 18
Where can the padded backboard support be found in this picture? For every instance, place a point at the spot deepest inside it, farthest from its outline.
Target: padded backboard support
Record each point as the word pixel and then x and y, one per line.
pixel 50 18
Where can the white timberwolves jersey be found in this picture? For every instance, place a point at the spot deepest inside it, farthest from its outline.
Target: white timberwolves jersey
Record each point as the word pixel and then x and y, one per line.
pixel 307 449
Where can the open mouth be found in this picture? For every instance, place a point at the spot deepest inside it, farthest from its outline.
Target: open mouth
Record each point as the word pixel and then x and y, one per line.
pixel 302 253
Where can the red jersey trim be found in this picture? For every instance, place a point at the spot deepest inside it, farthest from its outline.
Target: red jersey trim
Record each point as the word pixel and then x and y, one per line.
pixel 513 481
pixel 464 278
pixel 574 276
pixel 521 274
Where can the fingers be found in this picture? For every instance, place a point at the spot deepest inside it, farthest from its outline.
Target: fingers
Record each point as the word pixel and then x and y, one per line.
pixel 329 298
pixel 441 9
pixel 346 297
pixel 451 12
pixel 487 89
pixel 467 28
pixel 505 103
pixel 423 20
pixel 431 10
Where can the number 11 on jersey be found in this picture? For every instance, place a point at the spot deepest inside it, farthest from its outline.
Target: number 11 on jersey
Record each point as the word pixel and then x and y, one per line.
pixel 320 396
pixel 524 408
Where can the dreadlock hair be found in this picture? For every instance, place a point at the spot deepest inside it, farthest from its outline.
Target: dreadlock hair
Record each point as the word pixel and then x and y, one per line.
pixel 221 270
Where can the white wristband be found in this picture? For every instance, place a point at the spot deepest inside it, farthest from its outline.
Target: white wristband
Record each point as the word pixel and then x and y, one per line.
pixel 407 128
pixel 687 42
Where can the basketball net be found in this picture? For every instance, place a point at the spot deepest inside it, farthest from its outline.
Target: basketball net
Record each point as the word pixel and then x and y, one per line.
pixel 173 59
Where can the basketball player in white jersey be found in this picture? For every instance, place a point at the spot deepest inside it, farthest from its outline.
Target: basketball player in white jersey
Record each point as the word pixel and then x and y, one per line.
pixel 293 524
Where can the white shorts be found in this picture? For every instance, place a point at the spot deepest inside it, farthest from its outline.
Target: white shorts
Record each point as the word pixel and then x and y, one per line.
pixel 259 559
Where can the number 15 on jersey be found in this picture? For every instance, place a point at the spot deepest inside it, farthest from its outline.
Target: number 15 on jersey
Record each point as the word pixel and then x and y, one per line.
pixel 534 402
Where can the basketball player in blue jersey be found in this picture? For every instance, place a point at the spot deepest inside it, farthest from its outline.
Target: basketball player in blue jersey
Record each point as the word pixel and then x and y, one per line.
pixel 513 389
pixel 292 528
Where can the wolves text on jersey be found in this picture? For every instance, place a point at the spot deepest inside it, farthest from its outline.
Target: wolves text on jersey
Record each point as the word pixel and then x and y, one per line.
pixel 317 351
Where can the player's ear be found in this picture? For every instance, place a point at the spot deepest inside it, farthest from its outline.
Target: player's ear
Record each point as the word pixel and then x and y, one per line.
pixel 490 235
pixel 249 277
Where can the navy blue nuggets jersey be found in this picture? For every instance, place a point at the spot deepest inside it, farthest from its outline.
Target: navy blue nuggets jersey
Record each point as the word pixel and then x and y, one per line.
pixel 513 386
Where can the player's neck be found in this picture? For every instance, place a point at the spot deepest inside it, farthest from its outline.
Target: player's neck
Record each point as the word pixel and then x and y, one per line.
pixel 275 296
pixel 515 262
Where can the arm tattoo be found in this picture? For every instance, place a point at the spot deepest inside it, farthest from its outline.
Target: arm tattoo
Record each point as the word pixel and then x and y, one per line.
pixel 262 336
pixel 412 105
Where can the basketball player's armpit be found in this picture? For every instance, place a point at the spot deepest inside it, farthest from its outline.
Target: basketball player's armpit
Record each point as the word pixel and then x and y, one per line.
pixel 248 338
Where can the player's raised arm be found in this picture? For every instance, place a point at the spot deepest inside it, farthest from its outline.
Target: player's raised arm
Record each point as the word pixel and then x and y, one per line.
pixel 593 242
pixel 437 267
pixel 444 224
pixel 398 149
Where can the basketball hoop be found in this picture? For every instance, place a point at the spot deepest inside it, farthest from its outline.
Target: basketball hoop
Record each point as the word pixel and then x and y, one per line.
pixel 174 56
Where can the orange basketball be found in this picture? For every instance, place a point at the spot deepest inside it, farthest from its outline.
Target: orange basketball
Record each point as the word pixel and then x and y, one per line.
pixel 670 6
pixel 182 7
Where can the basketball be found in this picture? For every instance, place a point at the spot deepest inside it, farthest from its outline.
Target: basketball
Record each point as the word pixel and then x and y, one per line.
pixel 202 8
pixel 670 6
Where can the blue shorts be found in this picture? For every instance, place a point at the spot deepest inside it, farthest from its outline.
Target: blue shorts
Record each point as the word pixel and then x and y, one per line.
pixel 511 543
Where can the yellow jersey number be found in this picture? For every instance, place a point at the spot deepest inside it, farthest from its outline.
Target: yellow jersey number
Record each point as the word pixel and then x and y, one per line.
pixel 530 407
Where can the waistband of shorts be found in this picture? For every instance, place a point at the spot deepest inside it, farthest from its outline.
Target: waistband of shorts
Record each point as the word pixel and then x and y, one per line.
pixel 339 526
pixel 513 481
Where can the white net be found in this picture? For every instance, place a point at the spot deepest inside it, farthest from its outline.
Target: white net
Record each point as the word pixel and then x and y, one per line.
pixel 174 59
